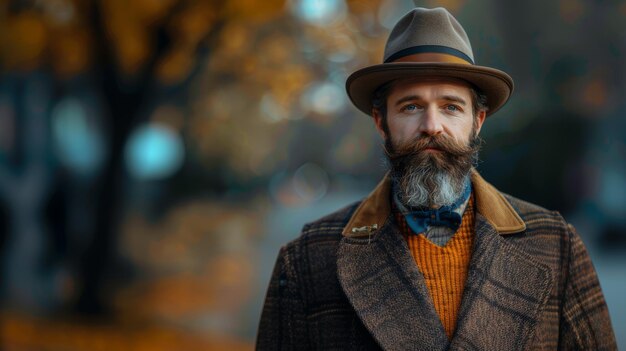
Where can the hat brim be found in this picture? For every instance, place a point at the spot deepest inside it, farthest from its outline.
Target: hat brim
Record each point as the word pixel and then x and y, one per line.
pixel 495 84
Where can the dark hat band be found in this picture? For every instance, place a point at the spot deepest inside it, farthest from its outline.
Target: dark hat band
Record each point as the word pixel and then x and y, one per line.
pixel 422 49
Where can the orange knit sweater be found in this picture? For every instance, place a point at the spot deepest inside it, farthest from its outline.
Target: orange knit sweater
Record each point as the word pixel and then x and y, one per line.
pixel 444 268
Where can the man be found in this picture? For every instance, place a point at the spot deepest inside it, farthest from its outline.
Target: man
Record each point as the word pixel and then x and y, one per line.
pixel 435 258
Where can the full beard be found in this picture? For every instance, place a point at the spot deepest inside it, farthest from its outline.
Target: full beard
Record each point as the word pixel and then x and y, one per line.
pixel 431 178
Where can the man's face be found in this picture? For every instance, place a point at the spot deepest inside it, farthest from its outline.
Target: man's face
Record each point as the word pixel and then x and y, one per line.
pixel 431 139
pixel 430 107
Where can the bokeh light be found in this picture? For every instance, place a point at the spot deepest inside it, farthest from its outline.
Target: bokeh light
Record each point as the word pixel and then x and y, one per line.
pixel 154 151
pixel 319 12
pixel 271 111
pixel 325 98
pixel 79 142
pixel 310 182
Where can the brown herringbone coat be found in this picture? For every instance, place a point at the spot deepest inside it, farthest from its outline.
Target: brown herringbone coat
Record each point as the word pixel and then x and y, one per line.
pixel 531 285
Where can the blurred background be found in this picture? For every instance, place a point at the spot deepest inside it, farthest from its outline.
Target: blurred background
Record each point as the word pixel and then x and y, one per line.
pixel 155 154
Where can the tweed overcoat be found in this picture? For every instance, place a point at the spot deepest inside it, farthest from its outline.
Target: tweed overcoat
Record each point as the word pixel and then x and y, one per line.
pixel 349 282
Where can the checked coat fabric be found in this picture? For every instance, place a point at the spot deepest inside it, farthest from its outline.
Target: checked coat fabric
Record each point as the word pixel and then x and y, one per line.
pixel 349 282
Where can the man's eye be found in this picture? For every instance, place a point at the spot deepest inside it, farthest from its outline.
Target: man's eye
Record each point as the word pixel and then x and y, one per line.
pixel 410 108
pixel 453 108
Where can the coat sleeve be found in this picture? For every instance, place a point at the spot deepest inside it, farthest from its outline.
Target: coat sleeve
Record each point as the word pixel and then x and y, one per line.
pixel 283 321
pixel 585 322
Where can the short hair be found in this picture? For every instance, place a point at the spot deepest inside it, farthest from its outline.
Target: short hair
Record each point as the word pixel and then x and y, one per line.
pixel 379 99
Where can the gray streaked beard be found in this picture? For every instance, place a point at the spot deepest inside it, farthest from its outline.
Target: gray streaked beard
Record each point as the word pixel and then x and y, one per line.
pixel 432 179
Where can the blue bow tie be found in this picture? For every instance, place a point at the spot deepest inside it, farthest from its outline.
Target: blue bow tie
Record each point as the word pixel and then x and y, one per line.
pixel 420 219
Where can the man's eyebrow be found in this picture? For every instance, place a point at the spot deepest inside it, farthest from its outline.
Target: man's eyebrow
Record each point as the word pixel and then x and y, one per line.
pixel 454 98
pixel 407 98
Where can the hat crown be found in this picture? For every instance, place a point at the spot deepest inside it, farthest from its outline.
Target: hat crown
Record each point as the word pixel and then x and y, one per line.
pixel 428 31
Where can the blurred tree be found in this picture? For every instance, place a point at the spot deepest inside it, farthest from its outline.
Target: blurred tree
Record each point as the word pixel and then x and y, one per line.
pixel 128 53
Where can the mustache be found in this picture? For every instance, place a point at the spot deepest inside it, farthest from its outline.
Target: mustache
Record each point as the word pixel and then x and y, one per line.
pixel 446 144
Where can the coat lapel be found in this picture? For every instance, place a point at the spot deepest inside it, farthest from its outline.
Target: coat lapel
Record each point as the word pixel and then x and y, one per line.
pixel 388 292
pixel 504 292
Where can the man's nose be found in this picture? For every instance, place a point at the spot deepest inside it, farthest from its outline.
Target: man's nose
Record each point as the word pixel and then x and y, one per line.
pixel 430 123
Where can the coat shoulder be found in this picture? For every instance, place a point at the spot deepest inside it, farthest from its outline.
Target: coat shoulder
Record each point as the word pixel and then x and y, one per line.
pixel 331 224
pixel 325 229
pixel 546 238
pixel 530 212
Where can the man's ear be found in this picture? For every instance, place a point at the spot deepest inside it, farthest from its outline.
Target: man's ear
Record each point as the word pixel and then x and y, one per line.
pixel 480 119
pixel 378 121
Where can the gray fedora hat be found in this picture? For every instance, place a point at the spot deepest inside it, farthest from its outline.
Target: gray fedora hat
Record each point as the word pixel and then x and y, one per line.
pixel 429 43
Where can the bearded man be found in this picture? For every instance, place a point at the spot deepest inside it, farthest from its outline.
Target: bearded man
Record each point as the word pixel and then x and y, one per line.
pixel 435 258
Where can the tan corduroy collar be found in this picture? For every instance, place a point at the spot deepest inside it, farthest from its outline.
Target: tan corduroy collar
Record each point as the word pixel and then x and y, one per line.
pixel 374 210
